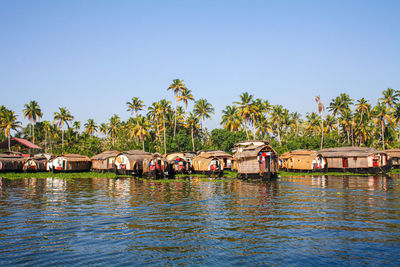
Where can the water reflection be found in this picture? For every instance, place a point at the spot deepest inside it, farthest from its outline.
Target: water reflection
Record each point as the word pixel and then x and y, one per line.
pixel 306 220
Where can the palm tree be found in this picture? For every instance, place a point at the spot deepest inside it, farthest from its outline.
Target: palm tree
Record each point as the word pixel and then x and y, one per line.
pixel 185 96
pixel 8 122
pixel 381 114
pixel 246 109
pixel 177 86
pixel 276 119
pixel 163 108
pixel 141 129
pixel 76 126
pixel 321 108
pixel 47 129
pixel 33 112
pixel 62 117
pixel 135 105
pixel 230 118
pixel 103 128
pixel 203 109
pixel 90 127
pixel 390 97
pixel 192 122
pixel 113 127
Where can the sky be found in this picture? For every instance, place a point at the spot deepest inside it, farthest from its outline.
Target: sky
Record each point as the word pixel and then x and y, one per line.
pixel 93 56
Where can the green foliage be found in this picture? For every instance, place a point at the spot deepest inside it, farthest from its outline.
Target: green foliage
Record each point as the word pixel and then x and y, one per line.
pixel 222 139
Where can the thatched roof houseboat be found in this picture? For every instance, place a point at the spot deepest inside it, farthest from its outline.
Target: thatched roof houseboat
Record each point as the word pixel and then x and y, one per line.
pixel 70 163
pixel 255 159
pixel 356 159
pixel 302 160
pixel 207 163
pixel 104 162
pixel 37 163
pixel 394 157
pixel 156 166
pixel 131 162
pixel 180 162
pixel 11 162
pixel 225 158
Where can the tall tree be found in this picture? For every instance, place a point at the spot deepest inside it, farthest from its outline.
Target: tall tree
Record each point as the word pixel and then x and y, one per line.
pixel 63 116
pixel 321 108
pixel 135 105
pixel 113 127
pixel 90 127
pixel 390 97
pixel 164 107
pixel 192 122
pixel 246 109
pixel 8 122
pixel 141 129
pixel 76 125
pixel 185 97
pixel 33 112
pixel 203 109
pixel 231 119
pixel 382 115
pixel 177 86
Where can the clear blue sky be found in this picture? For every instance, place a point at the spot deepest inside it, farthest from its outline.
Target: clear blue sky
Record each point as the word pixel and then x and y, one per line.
pixel 94 56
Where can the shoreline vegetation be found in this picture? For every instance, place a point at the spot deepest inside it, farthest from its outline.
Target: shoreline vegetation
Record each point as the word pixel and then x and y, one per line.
pixel 228 175
pixel 164 126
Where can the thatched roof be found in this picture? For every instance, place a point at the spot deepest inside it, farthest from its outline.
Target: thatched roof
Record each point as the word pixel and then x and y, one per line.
pixel 206 155
pixel 74 157
pixel 340 152
pixel 218 153
pixel 251 143
pixel 105 155
pixel 136 155
pixel 252 151
pixel 394 152
pixel 299 153
pixel 136 152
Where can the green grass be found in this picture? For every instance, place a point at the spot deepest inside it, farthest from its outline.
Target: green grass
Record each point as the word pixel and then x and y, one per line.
pixel 63 175
pixel 394 171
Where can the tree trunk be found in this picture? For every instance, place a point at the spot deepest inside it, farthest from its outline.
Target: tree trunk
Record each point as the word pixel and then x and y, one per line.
pixel 191 128
pixel 383 136
pixel 175 119
pixel 45 141
pixel 33 133
pixel 165 144
pixel 143 143
pixel 322 132
pixel 9 141
pixel 62 141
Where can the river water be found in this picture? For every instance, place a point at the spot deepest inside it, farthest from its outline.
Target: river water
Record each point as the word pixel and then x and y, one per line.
pixel 291 221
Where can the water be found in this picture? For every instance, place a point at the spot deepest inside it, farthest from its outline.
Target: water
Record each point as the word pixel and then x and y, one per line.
pixel 291 221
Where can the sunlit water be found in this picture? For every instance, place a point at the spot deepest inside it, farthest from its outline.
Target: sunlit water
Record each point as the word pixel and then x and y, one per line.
pixel 290 221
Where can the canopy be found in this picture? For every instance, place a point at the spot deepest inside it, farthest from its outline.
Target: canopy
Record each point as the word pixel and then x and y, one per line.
pixel 14 141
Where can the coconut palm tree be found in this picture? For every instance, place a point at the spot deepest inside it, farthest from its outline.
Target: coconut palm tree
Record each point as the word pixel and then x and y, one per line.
pixel 246 109
pixel 192 122
pixel 103 128
pixel 185 97
pixel 390 97
pixel 203 109
pixel 135 105
pixel 163 108
pixel 113 127
pixel 8 122
pixel 60 118
pixel 177 86
pixel 277 114
pixel 90 127
pixel 140 129
pixel 321 108
pixel 231 119
pixel 33 112
pixel 46 129
pixel 381 115
pixel 76 125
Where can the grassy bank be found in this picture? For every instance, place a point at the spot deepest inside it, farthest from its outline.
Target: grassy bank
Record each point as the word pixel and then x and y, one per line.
pixel 62 175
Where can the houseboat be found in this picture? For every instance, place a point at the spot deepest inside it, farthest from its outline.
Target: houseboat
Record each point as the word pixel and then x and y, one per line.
pixel 70 163
pixel 11 162
pixel 156 166
pixel 225 158
pixel 37 163
pixel 180 162
pixel 356 159
pixel 104 162
pixel 207 163
pixel 255 159
pixel 131 162
pixel 303 161
pixel 394 157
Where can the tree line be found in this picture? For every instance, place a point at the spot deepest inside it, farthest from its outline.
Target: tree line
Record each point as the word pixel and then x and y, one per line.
pixel 167 127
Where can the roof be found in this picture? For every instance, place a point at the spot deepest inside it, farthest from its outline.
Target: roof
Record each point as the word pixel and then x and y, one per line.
pixel 106 155
pixel 74 157
pixel 299 153
pixel 15 140
pixel 217 153
pixel 394 152
pixel 252 151
pixel 350 151
pixel 136 152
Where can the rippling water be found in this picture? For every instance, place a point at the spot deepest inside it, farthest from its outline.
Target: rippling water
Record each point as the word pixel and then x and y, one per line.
pixel 291 221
